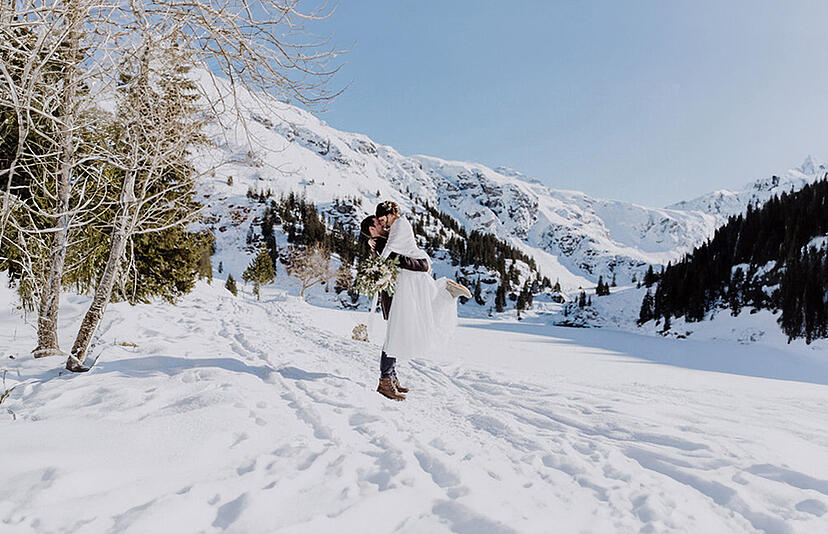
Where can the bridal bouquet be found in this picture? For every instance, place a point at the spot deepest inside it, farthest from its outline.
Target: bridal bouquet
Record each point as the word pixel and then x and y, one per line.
pixel 376 274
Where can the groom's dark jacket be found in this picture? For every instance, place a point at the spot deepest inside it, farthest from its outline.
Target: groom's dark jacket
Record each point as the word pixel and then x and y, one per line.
pixel 409 264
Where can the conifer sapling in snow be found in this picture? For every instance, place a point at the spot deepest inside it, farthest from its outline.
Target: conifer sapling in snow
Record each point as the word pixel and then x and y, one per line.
pixel 344 279
pixel 260 271
pixel 230 285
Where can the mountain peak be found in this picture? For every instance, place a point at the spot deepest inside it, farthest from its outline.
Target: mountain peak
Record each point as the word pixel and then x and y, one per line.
pixel 508 171
pixel 810 166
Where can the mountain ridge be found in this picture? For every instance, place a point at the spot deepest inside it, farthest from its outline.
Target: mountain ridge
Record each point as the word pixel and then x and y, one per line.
pixel 574 237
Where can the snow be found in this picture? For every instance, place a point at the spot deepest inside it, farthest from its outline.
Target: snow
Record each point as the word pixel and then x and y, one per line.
pixel 226 414
pixel 724 203
pixel 819 243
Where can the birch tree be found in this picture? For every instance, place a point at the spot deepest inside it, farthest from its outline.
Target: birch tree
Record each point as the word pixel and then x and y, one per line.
pixel 157 123
pixel 63 183
pixel 47 76
pixel 249 42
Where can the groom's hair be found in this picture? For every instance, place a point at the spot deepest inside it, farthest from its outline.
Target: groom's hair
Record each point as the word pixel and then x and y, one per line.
pixel 365 227
pixel 386 207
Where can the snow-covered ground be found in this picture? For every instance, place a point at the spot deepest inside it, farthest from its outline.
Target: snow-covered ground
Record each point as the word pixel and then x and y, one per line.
pixel 225 414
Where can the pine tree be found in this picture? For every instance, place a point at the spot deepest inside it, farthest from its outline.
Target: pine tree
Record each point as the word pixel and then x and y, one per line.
pixel 557 287
pixel 521 302
pixel 165 264
pixel 205 264
pixel 734 292
pixel 344 278
pixel 478 293
pixel 602 288
pixel 260 271
pixel 646 312
pixel 230 285
pixel 650 277
pixel 500 298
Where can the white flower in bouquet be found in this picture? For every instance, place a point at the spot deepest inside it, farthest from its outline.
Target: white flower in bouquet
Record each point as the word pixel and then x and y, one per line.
pixel 376 274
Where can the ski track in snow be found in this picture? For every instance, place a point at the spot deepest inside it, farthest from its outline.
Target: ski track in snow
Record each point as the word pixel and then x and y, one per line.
pixel 239 416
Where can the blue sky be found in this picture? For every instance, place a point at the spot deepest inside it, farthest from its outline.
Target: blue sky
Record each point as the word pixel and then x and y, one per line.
pixel 647 101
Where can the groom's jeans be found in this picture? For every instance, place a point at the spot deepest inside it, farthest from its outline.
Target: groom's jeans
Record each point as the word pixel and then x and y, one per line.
pixel 387 365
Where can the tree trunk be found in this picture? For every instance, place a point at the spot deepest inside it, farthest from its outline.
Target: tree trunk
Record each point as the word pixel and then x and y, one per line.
pixel 47 320
pixel 47 337
pixel 122 229
pixel 103 291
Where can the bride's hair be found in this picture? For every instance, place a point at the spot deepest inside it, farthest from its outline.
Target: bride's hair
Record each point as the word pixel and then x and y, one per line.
pixel 386 207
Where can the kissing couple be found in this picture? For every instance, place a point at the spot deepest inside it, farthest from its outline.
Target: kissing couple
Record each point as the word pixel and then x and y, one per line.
pixel 422 313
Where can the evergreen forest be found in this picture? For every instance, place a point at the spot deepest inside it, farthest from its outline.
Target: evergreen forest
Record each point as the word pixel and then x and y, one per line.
pixel 771 257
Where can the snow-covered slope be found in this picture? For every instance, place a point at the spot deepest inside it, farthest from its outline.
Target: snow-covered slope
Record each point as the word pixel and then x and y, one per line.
pixel 589 236
pixel 724 203
pixel 573 237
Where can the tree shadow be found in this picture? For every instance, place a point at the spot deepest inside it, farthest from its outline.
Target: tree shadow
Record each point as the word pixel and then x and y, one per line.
pixel 172 365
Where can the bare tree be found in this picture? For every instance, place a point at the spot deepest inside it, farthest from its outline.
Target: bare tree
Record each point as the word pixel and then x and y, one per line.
pixel 156 124
pixel 259 45
pixel 251 42
pixel 59 63
pixel 311 266
pixel 50 94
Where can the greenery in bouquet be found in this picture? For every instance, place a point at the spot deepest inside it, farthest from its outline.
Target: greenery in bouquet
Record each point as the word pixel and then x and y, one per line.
pixel 376 274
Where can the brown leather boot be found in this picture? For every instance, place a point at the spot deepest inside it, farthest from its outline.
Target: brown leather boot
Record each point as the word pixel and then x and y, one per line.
pixel 396 382
pixel 386 389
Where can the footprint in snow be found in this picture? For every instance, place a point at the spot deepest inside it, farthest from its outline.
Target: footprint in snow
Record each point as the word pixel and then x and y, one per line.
pixel 228 513
pixel 812 506
pixel 246 468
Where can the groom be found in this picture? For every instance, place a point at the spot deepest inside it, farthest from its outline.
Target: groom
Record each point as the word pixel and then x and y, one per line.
pixel 377 235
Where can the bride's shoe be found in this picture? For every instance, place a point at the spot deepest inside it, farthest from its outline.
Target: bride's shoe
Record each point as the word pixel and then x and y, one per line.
pixel 457 290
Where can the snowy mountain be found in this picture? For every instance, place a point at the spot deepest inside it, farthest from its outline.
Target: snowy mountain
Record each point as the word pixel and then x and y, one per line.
pixel 724 203
pixel 572 237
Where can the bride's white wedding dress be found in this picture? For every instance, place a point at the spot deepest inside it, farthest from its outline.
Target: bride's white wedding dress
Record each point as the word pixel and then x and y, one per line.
pixel 423 314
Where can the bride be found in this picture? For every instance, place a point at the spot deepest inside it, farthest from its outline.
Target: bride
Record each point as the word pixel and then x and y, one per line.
pixel 424 311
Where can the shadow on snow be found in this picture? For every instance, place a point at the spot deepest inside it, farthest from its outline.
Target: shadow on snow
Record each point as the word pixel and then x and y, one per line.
pixel 716 356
